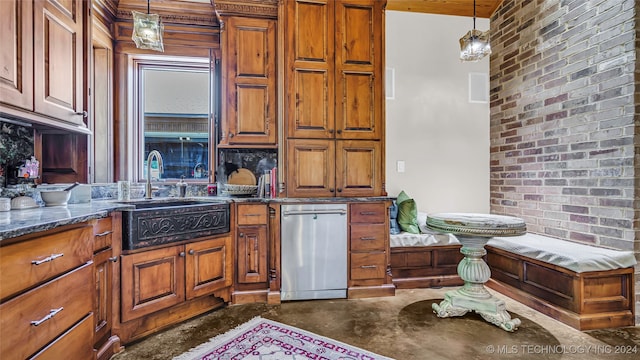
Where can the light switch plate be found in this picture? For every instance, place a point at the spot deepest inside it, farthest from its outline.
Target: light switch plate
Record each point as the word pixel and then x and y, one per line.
pixel 400 166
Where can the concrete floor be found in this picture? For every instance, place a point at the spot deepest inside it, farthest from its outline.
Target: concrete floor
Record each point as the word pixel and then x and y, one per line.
pixel 404 327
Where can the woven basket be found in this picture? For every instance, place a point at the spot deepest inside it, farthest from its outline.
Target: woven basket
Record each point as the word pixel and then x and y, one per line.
pixel 231 189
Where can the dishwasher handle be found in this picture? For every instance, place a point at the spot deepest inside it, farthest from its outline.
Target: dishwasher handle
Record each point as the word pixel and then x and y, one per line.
pixel 315 212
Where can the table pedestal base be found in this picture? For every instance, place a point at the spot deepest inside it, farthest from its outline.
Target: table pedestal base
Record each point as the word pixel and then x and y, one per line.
pixel 493 310
pixel 473 296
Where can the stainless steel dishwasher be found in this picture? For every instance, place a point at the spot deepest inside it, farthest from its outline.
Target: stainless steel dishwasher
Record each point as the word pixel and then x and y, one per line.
pixel 314 251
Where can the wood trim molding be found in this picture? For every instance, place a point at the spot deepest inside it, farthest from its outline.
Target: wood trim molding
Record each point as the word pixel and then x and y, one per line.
pixel 255 8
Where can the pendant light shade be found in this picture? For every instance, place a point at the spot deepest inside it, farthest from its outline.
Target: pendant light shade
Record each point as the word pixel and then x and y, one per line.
pixel 147 30
pixel 475 44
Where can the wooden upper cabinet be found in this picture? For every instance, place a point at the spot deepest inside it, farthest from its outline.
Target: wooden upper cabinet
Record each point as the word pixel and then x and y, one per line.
pixel 251 84
pixel 16 58
pixel 334 103
pixel 334 62
pixel 358 168
pixel 310 69
pixel 311 168
pixel 358 61
pixel 58 59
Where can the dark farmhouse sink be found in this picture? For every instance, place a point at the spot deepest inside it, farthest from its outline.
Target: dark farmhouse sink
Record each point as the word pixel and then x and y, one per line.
pixel 158 222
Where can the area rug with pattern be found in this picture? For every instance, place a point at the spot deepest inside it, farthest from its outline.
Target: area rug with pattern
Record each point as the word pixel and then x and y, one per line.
pixel 265 339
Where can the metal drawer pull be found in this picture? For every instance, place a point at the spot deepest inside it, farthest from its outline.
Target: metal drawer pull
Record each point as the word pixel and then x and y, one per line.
pixel 252 214
pixel 104 233
pixel 47 259
pixel 368 266
pixel 367 212
pixel 50 315
pixel 368 238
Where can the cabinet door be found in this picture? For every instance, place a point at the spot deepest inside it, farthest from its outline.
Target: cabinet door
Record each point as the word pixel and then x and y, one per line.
pixel 358 168
pixel 252 254
pixel 58 65
pixel 16 59
pixel 310 69
pixel 251 87
pixel 209 266
pixel 359 99
pixel 151 281
pixel 311 168
pixel 103 294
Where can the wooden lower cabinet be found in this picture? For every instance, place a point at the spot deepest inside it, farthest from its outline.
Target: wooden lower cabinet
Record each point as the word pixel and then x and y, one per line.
pixel 252 241
pixel 105 343
pixel 369 263
pixel 164 286
pixel 46 293
pixel 71 344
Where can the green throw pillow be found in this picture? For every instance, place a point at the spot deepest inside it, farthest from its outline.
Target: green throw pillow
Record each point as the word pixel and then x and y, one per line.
pixel 402 197
pixel 407 214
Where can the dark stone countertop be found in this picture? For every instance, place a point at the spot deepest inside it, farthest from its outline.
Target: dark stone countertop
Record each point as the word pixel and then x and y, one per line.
pixel 22 222
pixel 16 223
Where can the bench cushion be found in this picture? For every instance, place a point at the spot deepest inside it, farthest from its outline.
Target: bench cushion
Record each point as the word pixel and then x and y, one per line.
pixel 431 238
pixel 567 254
pixel 427 237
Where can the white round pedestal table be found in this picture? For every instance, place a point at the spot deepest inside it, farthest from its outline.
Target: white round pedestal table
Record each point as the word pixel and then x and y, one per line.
pixel 473 231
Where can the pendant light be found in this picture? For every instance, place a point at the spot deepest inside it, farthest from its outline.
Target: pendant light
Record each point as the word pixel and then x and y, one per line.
pixel 147 30
pixel 475 44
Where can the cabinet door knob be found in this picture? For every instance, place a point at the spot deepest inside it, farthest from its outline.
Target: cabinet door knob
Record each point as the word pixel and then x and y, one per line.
pixel 191 252
pixel 83 113
pixel 241 234
pixel 331 189
pixel 230 134
pixel 182 254
pixel 339 131
pixel 113 259
pixel 339 189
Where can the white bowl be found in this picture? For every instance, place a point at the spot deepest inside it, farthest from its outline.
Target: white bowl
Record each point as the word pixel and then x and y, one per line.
pixel 55 197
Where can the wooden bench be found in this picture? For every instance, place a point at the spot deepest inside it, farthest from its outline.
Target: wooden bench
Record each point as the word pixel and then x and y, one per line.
pixel 424 260
pixel 583 286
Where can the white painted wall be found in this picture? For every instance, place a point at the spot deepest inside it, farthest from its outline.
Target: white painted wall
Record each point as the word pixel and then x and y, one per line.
pixel 430 123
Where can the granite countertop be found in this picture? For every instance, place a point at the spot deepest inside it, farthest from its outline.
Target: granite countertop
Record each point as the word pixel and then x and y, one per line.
pixel 22 222
pixel 16 223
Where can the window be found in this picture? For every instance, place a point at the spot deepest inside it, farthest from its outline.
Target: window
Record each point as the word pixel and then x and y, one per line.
pixel 173 107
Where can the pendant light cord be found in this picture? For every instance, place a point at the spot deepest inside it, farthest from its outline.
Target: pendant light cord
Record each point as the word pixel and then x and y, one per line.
pixel 474 14
pixel 474 11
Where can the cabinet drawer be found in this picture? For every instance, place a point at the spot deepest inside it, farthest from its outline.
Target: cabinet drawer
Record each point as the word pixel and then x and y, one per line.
pixel 31 262
pixel 73 344
pixel 102 231
pixel 35 318
pixel 367 237
pixel 252 214
pixel 368 213
pixel 368 266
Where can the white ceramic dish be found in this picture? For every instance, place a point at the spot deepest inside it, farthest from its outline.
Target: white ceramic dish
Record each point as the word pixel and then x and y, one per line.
pixel 23 202
pixel 55 197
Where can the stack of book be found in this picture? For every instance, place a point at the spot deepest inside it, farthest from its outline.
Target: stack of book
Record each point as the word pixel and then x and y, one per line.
pixel 268 184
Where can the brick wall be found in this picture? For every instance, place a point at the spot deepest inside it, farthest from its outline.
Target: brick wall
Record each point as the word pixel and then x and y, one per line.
pixel 565 142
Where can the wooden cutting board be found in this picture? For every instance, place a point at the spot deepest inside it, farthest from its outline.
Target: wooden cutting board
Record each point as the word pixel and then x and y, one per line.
pixel 241 177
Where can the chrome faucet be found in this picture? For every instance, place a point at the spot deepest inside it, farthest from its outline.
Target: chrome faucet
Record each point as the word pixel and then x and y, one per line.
pixel 152 154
